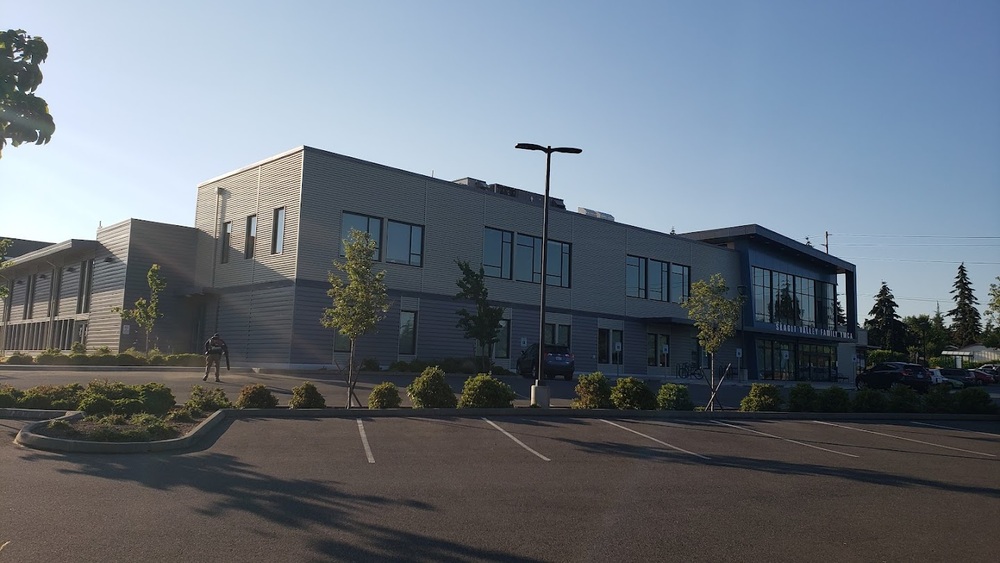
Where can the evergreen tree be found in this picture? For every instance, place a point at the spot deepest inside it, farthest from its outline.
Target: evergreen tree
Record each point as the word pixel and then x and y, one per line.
pixel 483 325
pixel 885 330
pixel 940 336
pixel 965 317
pixel 840 317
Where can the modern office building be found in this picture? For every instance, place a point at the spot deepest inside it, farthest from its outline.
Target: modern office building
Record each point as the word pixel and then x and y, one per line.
pixel 255 268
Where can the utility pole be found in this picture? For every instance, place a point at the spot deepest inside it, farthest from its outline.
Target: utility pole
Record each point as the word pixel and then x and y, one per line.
pixel 826 238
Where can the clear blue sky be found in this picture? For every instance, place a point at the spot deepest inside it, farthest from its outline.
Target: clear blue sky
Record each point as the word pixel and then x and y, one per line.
pixel 876 121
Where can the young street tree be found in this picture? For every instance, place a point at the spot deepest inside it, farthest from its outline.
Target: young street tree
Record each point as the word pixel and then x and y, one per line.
pixel 24 117
pixel 481 326
pixel 885 330
pixel 991 337
pixel 716 317
pixel 360 302
pixel 145 313
pixel 965 317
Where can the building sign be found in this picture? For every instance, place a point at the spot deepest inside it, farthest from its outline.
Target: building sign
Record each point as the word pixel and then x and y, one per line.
pixel 813 331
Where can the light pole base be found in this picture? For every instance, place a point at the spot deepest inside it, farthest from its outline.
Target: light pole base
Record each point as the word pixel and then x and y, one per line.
pixel 540 396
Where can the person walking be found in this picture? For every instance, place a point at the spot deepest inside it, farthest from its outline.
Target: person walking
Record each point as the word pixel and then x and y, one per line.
pixel 215 348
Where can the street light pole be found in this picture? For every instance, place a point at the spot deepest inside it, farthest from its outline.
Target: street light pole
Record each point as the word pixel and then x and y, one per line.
pixel 539 393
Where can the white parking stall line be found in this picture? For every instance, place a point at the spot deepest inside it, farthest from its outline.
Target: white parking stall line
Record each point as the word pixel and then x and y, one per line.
pixel 991 434
pixel 364 440
pixel 902 438
pixel 518 442
pixel 648 437
pixel 784 439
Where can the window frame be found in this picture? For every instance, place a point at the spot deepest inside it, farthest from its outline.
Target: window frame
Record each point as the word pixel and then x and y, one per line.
pixel 278 230
pixel 345 231
pixel 226 241
pixel 413 333
pixel 418 261
pixel 505 269
pixel 250 238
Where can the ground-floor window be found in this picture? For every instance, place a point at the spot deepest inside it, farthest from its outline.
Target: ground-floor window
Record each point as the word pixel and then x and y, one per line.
pixel 557 334
pixel 786 360
pixel 341 343
pixel 657 350
pixel 407 333
pixel 501 348
pixel 609 346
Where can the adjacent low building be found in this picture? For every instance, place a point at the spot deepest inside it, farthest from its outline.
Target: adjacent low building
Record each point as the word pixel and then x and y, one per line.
pixel 255 268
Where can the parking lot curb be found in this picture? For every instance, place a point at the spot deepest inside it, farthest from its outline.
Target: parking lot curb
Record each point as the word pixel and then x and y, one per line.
pixel 26 437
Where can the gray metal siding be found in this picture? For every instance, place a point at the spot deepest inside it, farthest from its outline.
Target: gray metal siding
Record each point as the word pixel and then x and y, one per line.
pixel 108 289
pixel 69 290
pixel 43 288
pixel 311 343
pixel 256 323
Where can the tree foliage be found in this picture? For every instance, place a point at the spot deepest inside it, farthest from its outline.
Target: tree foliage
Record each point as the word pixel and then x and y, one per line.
pixel 966 324
pixel 24 117
pixel 715 315
pixel 146 312
pixel 481 326
pixel 360 301
pixel 885 330
pixel 4 246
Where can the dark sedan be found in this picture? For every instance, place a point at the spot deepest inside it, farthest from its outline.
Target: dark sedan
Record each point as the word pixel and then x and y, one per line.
pixel 886 374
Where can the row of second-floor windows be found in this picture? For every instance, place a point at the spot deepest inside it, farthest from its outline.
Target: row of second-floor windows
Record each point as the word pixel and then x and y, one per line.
pixel 403 242
pixel 518 256
pixel 656 280
pixel 36 302
pixel 250 236
pixel 793 300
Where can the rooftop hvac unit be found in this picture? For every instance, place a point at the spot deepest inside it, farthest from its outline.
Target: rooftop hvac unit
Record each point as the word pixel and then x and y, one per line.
pixel 595 214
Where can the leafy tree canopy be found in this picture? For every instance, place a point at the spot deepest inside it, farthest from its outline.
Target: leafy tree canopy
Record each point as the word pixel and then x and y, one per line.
pixel 481 326
pixel 24 117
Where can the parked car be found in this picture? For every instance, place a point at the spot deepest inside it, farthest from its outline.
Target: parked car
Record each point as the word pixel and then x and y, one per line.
pixel 981 377
pixel 937 378
pixel 885 374
pixel 558 361
pixel 992 369
pixel 959 374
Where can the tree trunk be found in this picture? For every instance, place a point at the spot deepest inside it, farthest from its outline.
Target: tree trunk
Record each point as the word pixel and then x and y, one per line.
pixel 350 376
pixel 711 379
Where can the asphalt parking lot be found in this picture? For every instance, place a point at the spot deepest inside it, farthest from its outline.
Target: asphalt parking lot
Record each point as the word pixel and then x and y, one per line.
pixel 517 488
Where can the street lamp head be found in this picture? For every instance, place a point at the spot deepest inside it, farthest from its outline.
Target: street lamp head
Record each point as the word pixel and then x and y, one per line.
pixel 547 150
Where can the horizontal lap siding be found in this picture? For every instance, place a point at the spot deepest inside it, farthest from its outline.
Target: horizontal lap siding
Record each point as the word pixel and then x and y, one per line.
pixel 69 290
pixel 17 299
pixel 108 289
pixel 256 324
pixel 43 288
pixel 311 343
pixel 280 186
pixel 173 248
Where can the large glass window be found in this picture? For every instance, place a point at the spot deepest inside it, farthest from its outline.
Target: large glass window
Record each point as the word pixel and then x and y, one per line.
pixel 227 237
pixel 498 251
pixel 251 237
pixel 365 224
pixel 680 282
pixel 635 276
pixel 404 244
pixel 610 349
pixel 657 350
pixel 407 333
pixel 502 347
pixel 659 278
pixel 763 307
pixel 528 259
pixel 278 231
pixel 558 267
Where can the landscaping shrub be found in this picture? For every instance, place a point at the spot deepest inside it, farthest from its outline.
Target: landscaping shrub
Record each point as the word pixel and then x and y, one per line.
pixel 306 396
pixel 127 406
pixel 189 360
pixel 79 359
pixel 400 366
pixel 113 390
pixel 632 393
pixel 763 397
pixel 207 400
pixel 939 400
pixel 96 404
pixel 52 357
pixel 593 391
pixel 385 395
pixel 130 358
pixel 19 359
pixel 674 397
pixel 156 398
pixel 834 399
pixel 903 398
pixel 256 396
pixel 65 397
pixel 486 392
pixel 879 356
pixel 973 400
pixel 34 400
pixel 803 398
pixel 78 348
pixel 370 364
pixel 870 400
pixel 430 390
pixel 183 414
pixel 9 396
